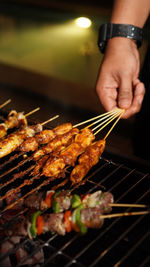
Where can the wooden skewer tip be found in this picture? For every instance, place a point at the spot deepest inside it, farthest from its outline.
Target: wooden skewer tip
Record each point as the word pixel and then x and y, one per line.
pixel 5 103
pixel 109 216
pixel 32 111
pixel 128 205
pixel 51 119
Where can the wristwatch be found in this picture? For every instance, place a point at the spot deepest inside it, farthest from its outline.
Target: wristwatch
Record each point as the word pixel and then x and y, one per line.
pixel 110 30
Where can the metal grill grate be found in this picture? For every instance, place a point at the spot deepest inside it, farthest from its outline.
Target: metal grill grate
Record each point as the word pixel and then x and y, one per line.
pixel 122 241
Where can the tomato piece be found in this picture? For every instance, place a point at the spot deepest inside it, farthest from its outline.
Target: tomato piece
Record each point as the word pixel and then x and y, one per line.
pixel 39 225
pixel 67 221
pixel 48 199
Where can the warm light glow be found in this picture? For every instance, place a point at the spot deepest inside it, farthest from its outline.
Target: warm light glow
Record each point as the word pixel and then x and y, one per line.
pixel 83 22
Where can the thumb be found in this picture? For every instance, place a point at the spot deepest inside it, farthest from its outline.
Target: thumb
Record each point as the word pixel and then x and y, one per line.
pixel 125 94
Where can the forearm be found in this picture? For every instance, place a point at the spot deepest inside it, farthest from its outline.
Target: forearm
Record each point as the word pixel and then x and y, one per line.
pixel 133 12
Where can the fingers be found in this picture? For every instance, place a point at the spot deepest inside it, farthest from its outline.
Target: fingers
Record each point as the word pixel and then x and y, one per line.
pixel 108 97
pixel 129 99
pixel 138 97
pixel 125 95
pixel 106 89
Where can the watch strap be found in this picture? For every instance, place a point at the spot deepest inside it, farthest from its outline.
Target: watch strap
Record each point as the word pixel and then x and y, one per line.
pixel 110 30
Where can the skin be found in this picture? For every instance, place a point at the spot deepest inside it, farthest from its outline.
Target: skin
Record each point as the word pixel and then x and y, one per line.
pixel 118 84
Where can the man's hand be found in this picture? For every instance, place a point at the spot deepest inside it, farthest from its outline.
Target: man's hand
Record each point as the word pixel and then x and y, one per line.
pixel 118 84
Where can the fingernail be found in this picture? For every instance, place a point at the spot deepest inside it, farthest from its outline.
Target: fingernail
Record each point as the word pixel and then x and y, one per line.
pixel 124 103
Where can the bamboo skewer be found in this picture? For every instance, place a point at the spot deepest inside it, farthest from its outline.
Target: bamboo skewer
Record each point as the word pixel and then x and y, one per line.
pixel 108 121
pixel 102 115
pixel 32 111
pixel 105 123
pixel 122 214
pixel 51 119
pixel 114 125
pixel 103 118
pixel 128 205
pixel 5 103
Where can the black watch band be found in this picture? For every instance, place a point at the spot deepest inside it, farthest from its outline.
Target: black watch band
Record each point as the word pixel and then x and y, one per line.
pixel 110 30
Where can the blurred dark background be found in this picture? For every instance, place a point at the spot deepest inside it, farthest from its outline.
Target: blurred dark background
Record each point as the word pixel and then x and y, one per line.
pixel 47 60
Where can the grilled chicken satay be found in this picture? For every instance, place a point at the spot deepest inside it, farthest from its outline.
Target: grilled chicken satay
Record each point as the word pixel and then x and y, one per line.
pixel 87 160
pixel 44 137
pixel 14 140
pixel 55 146
pixel 14 119
pixel 55 165
pixel 32 143
pixel 59 141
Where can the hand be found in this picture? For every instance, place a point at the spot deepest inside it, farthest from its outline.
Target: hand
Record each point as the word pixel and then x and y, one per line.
pixel 118 84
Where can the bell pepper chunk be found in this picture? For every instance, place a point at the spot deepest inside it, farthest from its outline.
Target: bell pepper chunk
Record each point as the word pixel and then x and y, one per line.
pixel 33 229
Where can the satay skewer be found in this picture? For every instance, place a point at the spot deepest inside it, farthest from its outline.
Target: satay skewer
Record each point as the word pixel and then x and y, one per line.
pixel 14 120
pixel 28 182
pixel 5 103
pixel 112 117
pixel 62 166
pixel 21 163
pixel 122 214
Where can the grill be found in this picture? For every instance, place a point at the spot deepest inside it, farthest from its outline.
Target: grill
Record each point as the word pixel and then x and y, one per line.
pixel 120 242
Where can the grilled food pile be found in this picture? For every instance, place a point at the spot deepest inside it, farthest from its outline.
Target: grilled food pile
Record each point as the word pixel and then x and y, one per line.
pixel 51 151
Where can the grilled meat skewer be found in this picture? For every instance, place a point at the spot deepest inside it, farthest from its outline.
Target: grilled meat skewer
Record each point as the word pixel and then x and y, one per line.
pixel 64 200
pixel 91 205
pixel 44 137
pixel 87 160
pixel 59 141
pixel 55 165
pixel 14 119
pixel 14 140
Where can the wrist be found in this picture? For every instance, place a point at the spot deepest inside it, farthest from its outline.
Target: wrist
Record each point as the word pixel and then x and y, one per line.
pixel 119 46
pixel 121 42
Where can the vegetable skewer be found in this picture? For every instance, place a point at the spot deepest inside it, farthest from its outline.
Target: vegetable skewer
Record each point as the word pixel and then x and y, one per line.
pixel 63 200
pixel 78 219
